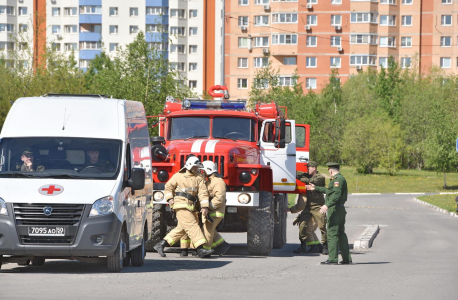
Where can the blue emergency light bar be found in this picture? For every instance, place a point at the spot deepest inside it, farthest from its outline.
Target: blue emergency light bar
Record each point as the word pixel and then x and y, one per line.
pixel 202 104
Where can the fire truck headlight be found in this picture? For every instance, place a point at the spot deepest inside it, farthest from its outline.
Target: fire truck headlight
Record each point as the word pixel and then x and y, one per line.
pixel 102 207
pixel 245 177
pixel 163 175
pixel 158 196
pixel 154 170
pixel 3 210
pixel 244 198
pixel 254 171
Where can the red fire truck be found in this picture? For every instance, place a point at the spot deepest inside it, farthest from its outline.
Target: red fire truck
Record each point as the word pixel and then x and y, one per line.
pixel 257 152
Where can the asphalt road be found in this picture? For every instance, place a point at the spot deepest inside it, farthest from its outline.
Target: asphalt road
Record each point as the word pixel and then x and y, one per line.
pixel 414 257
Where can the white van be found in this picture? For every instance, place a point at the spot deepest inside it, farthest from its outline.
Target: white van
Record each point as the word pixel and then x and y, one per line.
pixel 68 184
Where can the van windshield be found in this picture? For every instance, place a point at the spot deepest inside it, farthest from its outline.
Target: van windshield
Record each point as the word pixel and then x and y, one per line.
pixel 79 158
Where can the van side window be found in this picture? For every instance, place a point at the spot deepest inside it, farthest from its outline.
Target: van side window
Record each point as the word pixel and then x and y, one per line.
pixel 127 165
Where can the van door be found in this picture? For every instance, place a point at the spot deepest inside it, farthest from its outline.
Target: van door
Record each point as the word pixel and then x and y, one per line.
pixel 281 160
pixel 302 153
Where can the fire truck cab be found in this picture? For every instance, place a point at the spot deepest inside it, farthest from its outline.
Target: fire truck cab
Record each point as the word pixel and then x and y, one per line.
pixel 257 152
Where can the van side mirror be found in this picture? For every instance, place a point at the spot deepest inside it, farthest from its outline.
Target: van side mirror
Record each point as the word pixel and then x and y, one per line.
pixel 280 129
pixel 137 180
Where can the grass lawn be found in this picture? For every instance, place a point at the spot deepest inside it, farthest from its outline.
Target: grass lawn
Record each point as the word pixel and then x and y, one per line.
pixel 443 201
pixel 405 181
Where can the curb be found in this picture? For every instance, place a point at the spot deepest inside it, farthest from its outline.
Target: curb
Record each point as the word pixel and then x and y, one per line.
pixel 365 240
pixel 437 208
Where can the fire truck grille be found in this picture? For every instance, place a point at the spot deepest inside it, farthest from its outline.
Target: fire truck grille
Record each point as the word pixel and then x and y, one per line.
pixel 218 160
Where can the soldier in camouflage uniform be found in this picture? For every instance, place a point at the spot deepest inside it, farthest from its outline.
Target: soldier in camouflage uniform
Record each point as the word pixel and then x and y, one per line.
pixel 28 165
pixel 94 161
pixel 310 204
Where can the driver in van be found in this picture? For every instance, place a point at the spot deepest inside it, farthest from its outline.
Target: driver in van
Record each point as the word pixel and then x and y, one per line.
pixel 27 158
pixel 94 161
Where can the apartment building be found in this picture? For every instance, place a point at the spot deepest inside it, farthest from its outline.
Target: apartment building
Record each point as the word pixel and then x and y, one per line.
pixel 312 37
pixel 185 31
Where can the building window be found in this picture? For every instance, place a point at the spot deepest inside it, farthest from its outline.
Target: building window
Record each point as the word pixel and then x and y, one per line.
pixel 311 62
pixel 114 47
pixel 312 20
pixel 261 41
pixel 446 1
pixel 387 41
pixel 242 62
pixel 243 42
pixel 311 41
pixel 363 18
pixel 84 63
pixel 287 81
pixel 56 11
pixel 55 29
pixel 242 83
pixel 261 83
pixel 446 20
pixel 407 2
pixel 284 39
pixel 179 66
pixel 406 20
pixel 152 28
pixel 405 62
pixel 158 46
pixel 336 1
pixel 150 10
pixel 446 41
pixel 56 46
pixel 70 29
pixel 23 27
pixel 336 20
pixel 309 1
pixel 114 11
pixel 192 31
pixel 7 10
pixel 192 49
pixel 243 21
pixel 180 31
pixel 261 2
pixel 260 62
pixel 392 2
pixel 113 29
pixel 289 60
pixel 90 28
pixel 178 13
pixel 192 84
pixel 133 29
pixel 310 83
pixel 446 62
pixel 86 9
pixel 261 20
pixel 23 46
pixel 243 2
pixel 335 62
pixel 366 60
pixel 335 41
pixel 70 46
pixel 284 18
pixel 388 20
pixel 192 13
pixel 383 62
pixel 89 45
pixel 23 11
pixel 133 12
pixel 70 11
pixel 363 39
pixel 180 49
pixel 406 41
pixel 192 67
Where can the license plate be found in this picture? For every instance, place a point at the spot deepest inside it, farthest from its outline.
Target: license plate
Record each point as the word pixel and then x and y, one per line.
pixel 46 231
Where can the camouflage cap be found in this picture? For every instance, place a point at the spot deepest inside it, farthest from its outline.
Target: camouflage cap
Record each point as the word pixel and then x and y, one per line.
pixel 333 165
pixel 312 164
pixel 27 151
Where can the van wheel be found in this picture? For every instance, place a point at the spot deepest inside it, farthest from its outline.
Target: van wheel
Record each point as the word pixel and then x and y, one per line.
pixel 139 253
pixel 24 263
pixel 115 261
pixel 261 226
pixel 281 204
pixel 38 261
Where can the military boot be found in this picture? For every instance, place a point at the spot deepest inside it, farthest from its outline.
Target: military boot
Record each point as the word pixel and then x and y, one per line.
pixel 325 249
pixel 159 247
pixel 202 253
pixel 302 249
pixel 314 249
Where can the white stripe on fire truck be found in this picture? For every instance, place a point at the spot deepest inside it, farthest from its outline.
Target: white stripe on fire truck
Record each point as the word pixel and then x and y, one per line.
pixel 196 146
pixel 211 145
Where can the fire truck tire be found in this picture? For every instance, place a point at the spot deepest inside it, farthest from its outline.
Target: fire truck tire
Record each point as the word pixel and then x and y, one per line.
pixel 24 263
pixel 38 261
pixel 160 228
pixel 281 203
pixel 261 226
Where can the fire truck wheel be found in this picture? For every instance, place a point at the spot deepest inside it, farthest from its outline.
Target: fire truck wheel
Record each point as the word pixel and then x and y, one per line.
pixel 281 204
pixel 38 261
pixel 162 224
pixel 261 226
pixel 24 263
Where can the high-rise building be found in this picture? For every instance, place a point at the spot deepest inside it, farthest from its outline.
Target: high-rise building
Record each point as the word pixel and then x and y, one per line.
pixel 312 37
pixel 185 31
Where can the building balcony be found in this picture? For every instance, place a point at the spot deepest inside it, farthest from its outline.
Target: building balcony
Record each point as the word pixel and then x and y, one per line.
pixel 90 19
pixel 89 54
pixel 90 2
pixel 90 37
pixel 157 3
pixel 156 19
pixel 156 37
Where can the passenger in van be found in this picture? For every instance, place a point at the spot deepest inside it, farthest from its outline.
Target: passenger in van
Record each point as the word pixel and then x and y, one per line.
pixel 27 158
pixel 94 161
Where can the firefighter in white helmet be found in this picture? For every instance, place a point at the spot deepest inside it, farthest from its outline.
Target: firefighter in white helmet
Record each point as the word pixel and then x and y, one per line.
pixel 217 191
pixel 184 191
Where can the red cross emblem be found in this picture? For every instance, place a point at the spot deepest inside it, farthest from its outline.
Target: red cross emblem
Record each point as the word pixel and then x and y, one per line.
pixel 51 190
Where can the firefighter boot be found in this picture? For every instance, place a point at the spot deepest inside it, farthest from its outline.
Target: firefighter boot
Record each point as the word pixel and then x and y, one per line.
pixel 314 249
pixel 184 252
pixel 202 253
pixel 159 247
pixel 320 247
pixel 302 249
pixel 325 249
pixel 222 249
